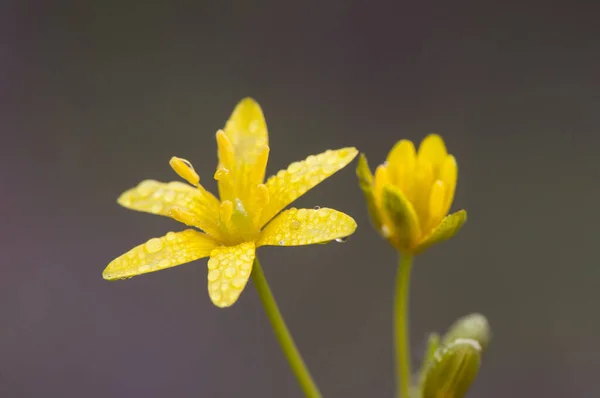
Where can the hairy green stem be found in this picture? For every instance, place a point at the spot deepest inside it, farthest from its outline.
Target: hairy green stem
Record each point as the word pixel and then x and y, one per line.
pixel 283 334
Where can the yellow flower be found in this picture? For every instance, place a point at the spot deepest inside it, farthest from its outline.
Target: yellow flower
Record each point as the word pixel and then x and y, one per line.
pixel 411 194
pixel 247 215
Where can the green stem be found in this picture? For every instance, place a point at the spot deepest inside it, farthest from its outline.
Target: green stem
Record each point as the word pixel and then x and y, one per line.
pixel 401 326
pixel 283 334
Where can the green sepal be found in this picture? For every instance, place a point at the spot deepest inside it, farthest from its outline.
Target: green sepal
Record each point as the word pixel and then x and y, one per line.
pixel 473 326
pixel 449 226
pixel 433 344
pixel 452 370
pixel 402 215
pixel 365 181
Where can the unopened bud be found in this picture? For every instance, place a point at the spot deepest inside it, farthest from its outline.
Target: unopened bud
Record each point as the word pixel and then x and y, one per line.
pixel 452 370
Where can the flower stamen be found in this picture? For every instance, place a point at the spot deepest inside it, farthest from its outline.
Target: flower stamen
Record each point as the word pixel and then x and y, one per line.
pixel 185 170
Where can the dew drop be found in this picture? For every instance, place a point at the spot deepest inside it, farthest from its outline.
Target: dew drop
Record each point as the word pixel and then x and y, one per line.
pixel 164 263
pixel 295 225
pixel 317 207
pixel 301 215
pixel 385 231
pixel 145 188
pixel 216 295
pixel 341 240
pixel 294 167
pixel 238 283
pixel 169 196
pixel 154 245
pixel 246 266
pixel 213 275
pixel 230 272
pixel 281 242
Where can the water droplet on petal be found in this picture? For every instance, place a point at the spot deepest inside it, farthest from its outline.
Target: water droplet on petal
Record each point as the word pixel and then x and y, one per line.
pixel 385 231
pixel 213 275
pixel 238 283
pixel 301 214
pixel 317 207
pixel 230 272
pixel 154 245
pixel 294 167
pixel 164 263
pixel 169 196
pixel 341 240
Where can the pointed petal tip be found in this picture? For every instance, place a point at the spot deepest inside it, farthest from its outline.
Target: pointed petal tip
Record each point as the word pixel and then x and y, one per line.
pixel 351 152
pixel 433 147
pixel 106 275
pixel 248 100
pixel 248 103
pixel 123 199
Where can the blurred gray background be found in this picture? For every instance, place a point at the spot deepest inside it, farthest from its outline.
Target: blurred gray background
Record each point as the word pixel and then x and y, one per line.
pixel 98 95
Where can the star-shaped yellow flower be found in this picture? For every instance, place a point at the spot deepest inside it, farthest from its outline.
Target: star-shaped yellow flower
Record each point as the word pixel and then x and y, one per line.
pixel 411 194
pixel 247 215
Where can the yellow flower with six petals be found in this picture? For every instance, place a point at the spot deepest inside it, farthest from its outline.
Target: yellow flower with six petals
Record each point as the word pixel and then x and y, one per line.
pixel 247 215
pixel 411 193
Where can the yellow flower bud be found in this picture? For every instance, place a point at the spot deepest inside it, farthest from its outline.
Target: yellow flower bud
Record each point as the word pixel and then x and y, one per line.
pixel 411 193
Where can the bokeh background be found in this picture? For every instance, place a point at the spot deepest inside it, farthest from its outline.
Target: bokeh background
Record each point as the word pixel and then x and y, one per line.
pixel 98 95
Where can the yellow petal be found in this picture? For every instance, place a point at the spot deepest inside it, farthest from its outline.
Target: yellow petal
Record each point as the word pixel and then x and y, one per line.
pixel 243 150
pixel 288 185
pixel 296 227
pixel 365 180
pixel 433 149
pixel 422 183
pixel 449 175
pixel 229 268
pixel 161 198
pixel 173 249
pixel 402 161
pixel 381 179
pixel 436 206
pixel 247 129
pixel 405 224
pixel 445 230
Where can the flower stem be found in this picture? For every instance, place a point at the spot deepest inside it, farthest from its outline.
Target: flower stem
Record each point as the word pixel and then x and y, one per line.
pixel 283 334
pixel 403 366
